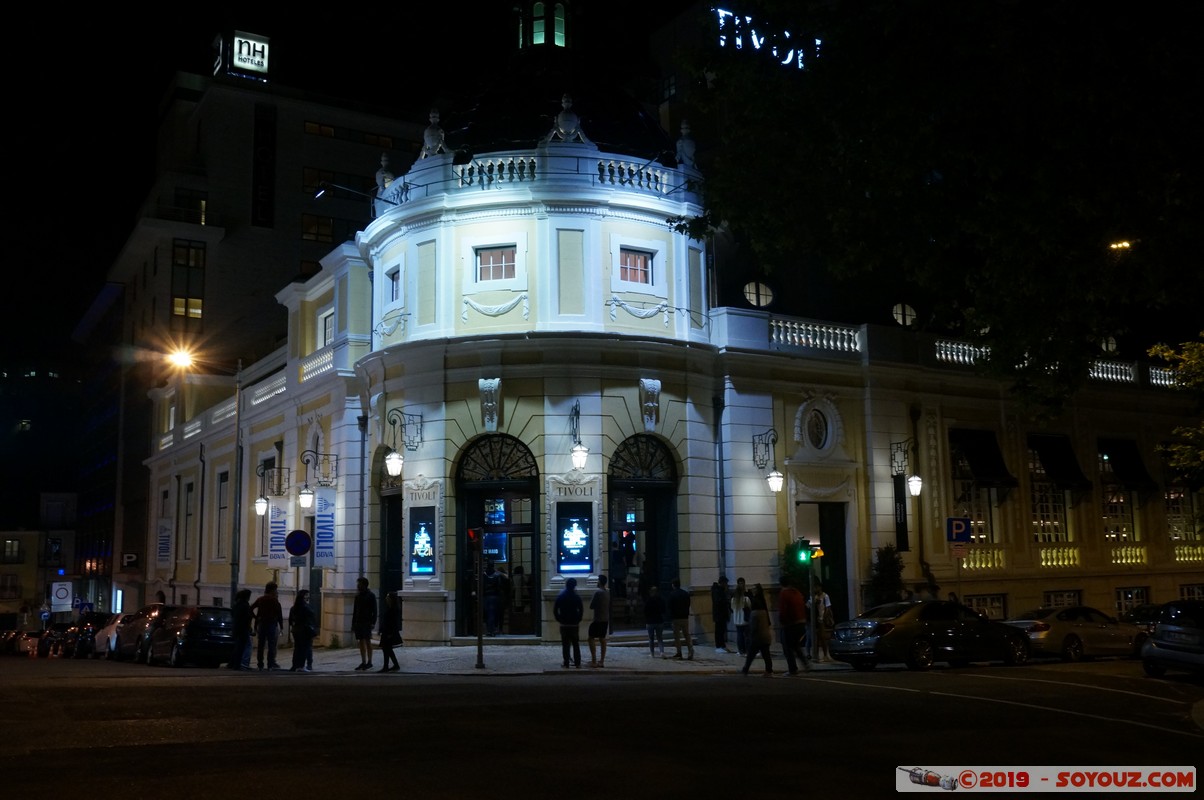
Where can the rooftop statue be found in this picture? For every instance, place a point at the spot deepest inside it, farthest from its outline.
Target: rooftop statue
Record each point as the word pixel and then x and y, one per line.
pixel 685 146
pixel 567 126
pixel 432 137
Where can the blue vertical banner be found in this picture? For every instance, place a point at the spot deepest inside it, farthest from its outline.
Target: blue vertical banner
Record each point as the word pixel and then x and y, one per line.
pixel 164 531
pixel 277 531
pixel 324 508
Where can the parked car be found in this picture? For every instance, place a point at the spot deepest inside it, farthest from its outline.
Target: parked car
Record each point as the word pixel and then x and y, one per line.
pixel 57 640
pixel 1177 641
pixel 106 637
pixel 27 642
pixel 8 642
pixel 84 632
pixel 1073 633
pixel 921 633
pixel 133 637
pixel 1143 616
pixel 193 635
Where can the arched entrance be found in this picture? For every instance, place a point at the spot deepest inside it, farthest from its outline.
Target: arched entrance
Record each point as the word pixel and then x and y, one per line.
pixel 641 525
pixel 497 490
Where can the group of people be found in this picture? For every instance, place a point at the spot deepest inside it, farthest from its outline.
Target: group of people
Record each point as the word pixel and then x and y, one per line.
pixel 750 614
pixel 264 620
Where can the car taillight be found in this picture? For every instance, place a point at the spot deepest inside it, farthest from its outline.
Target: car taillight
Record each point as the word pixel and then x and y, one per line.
pixel 883 628
pixel 1038 627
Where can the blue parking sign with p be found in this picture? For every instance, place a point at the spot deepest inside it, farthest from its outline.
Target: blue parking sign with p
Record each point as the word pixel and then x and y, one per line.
pixel 957 529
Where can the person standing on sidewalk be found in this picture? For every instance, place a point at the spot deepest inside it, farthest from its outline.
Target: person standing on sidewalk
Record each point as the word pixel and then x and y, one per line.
pixel 655 612
pixel 721 612
pixel 741 607
pixel 304 625
pixel 390 633
pixel 600 626
pixel 792 613
pixel 679 613
pixel 568 611
pixel 363 620
pixel 269 621
pixel 241 611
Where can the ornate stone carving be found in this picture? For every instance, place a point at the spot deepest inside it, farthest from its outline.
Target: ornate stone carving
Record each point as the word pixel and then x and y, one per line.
pixel 490 389
pixel 432 137
pixel 567 126
pixel 650 401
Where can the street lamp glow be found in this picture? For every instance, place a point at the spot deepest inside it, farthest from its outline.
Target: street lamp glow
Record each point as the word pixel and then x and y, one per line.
pixel 180 358
pixel 393 463
pixel 261 505
pixel 306 497
pixel 579 454
pixel 914 485
pixel 775 481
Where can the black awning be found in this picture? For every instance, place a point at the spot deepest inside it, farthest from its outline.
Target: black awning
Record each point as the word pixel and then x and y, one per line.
pixel 1127 465
pixel 981 451
pixel 1058 460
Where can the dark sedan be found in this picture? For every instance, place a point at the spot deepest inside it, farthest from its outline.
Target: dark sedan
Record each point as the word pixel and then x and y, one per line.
pixel 919 634
pixel 193 635
pixel 133 638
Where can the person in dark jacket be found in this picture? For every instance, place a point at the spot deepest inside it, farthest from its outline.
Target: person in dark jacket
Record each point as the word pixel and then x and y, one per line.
pixel 568 611
pixel 721 612
pixel 241 610
pixel 304 625
pixel 363 620
pixel 679 613
pixel 390 633
pixel 655 613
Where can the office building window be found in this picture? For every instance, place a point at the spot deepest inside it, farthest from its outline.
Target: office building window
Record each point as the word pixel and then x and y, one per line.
pixel 221 530
pixel 189 516
pixel 1062 598
pixel 972 501
pixel 1181 516
pixel 1127 597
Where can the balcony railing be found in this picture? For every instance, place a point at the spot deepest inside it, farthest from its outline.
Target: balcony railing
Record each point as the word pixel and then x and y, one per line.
pixel 985 557
pixel 1133 554
pixel 1056 556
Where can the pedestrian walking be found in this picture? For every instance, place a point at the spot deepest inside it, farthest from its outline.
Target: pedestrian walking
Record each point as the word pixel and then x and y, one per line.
pixel 741 607
pixel 679 614
pixel 655 613
pixel 363 620
pixel 568 611
pixel 721 612
pixel 600 626
pixel 390 633
pixel 268 615
pixel 792 614
pixel 823 621
pixel 760 632
pixel 241 628
pixel 304 624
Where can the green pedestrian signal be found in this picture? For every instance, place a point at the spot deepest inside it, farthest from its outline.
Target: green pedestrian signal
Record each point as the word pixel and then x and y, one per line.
pixel 803 554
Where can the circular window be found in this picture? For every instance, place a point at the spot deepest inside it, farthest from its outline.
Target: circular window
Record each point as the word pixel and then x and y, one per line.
pixel 904 314
pixel 758 294
pixel 817 429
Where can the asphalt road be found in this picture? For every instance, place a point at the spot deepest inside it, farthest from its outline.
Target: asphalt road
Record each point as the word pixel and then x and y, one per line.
pixel 124 730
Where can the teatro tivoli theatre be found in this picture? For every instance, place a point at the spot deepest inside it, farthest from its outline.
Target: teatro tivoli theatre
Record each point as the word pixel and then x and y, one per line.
pixel 519 350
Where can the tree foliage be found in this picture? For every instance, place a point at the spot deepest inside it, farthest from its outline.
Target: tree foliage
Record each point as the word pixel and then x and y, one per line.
pixel 886 576
pixel 984 154
pixel 1184 453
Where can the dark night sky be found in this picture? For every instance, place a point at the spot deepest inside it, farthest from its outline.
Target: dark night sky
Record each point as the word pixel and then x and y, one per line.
pixel 87 135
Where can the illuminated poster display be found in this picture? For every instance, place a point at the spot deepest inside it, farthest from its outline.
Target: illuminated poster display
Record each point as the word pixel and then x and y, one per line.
pixel 324 509
pixel 494 547
pixel 422 540
pixel 278 528
pixel 574 541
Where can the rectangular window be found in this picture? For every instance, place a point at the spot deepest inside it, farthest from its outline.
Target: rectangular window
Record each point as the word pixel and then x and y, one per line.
pixel 635 266
pixel 1181 515
pixel 1062 598
pixel 495 264
pixel 188 260
pixel 1127 597
pixel 326 329
pixel 317 229
pixel 1048 504
pixel 992 605
pixel 12 552
pixel 1191 591
pixel 191 205
pixel 164 505
pixel 973 501
pixel 189 515
pixel 393 292
pixel 1117 508
pixel 223 511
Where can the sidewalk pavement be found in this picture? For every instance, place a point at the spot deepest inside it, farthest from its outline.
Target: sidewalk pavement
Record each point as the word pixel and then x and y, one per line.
pixel 503 656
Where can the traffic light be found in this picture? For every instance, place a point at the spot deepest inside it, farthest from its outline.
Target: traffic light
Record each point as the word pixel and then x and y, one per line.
pixel 803 554
pixel 475 537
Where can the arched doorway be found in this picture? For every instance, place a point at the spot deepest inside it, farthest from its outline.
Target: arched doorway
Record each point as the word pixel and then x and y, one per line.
pixel 641 526
pixel 497 490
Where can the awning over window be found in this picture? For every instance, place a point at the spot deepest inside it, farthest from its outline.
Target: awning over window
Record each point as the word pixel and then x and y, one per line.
pixel 1058 459
pixel 1127 465
pixel 981 451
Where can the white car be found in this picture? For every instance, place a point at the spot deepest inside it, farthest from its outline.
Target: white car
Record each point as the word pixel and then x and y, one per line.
pixel 106 637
